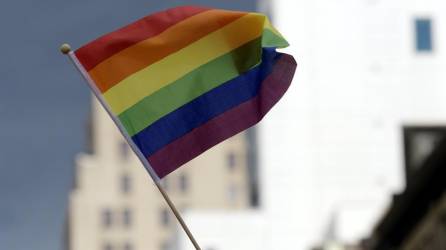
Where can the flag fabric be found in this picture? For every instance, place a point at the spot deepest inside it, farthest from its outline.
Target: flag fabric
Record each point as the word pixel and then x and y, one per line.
pixel 183 80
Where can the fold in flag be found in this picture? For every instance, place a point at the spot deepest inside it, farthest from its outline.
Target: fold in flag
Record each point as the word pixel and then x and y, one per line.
pixel 185 79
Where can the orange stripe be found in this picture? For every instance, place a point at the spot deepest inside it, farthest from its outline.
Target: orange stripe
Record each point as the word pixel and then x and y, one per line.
pixel 107 45
pixel 116 68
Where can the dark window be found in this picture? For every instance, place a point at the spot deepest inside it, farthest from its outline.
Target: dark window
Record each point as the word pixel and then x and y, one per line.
pixel 107 219
pixel 125 149
pixel 165 246
pixel 107 246
pixel 231 160
pixel 127 217
pixel 165 217
pixel 128 246
pixel 419 143
pixel 126 184
pixel 423 34
pixel 184 183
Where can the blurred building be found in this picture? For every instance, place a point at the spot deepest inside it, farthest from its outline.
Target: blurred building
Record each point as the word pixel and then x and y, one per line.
pixel 416 218
pixel 331 240
pixel 336 246
pixel 221 230
pixel 366 70
pixel 115 206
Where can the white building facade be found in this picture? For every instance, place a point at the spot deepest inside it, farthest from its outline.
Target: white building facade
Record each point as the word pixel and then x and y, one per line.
pixel 366 69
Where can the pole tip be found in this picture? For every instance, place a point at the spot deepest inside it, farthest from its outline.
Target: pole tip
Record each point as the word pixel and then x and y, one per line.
pixel 65 48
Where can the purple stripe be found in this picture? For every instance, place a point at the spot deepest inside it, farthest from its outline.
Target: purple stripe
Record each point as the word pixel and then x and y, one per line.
pixel 227 124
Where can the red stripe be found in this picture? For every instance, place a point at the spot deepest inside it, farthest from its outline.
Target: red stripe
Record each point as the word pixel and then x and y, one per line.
pixel 105 46
pixel 227 124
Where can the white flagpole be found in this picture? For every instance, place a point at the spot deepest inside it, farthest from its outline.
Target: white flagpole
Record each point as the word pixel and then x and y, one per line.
pixel 66 50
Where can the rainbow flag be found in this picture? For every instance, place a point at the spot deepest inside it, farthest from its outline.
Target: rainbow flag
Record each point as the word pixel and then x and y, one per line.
pixel 183 80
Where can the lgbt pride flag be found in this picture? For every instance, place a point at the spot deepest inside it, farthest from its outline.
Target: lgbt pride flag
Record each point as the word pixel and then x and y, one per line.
pixel 183 80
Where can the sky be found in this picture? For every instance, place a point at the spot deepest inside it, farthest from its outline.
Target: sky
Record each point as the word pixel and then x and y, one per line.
pixel 44 107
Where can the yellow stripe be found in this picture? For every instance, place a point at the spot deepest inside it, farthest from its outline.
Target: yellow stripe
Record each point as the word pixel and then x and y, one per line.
pixel 269 26
pixel 150 79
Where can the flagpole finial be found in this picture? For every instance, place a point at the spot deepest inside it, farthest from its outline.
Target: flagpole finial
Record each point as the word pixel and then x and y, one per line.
pixel 65 48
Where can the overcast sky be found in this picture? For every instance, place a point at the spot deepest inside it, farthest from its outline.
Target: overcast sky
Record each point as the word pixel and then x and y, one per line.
pixel 44 107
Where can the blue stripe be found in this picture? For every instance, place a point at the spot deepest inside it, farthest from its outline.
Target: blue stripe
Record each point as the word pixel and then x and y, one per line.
pixel 205 107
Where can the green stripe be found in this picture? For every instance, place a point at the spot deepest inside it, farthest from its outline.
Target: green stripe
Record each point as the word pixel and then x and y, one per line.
pixel 190 86
pixel 197 82
pixel 271 39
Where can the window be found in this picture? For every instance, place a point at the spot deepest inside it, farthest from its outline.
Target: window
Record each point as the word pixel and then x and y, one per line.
pixel 127 217
pixel 419 143
pixel 124 148
pixel 107 219
pixel 128 246
pixel 165 217
pixel 232 192
pixel 165 246
pixel 107 246
pixel 184 183
pixel 231 161
pixel 423 34
pixel 125 184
